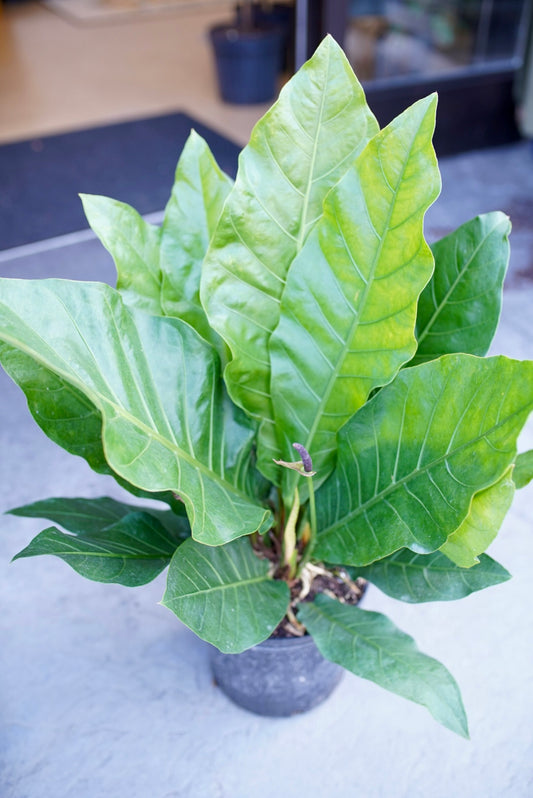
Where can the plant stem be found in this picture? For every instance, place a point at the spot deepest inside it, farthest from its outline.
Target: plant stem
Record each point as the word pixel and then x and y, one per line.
pixel 312 524
pixel 289 534
pixel 312 514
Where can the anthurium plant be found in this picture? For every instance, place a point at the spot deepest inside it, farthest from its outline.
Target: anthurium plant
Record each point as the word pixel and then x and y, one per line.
pixel 300 380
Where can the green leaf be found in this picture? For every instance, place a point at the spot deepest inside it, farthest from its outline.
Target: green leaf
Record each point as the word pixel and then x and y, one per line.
pixel 413 457
pixel 297 151
pixel 130 552
pixel 460 308
pixel 86 516
pixel 481 525
pixel 159 268
pixel 81 516
pixel 523 470
pixel 191 216
pixel 347 323
pixel 134 246
pixel 418 578
pixel 167 424
pixel 225 594
pixel 371 646
pixel 66 415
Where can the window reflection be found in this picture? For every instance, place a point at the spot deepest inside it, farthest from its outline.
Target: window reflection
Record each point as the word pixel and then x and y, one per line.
pixel 394 39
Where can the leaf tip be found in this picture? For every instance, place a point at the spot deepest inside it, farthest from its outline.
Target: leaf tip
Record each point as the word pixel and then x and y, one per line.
pixel 465 733
pixel 19 555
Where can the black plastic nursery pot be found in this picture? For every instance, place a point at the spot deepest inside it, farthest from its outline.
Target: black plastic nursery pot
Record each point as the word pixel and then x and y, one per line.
pixel 280 677
pixel 247 63
pixel 275 15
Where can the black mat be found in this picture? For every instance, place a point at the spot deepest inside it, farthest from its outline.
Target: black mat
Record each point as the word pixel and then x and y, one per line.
pixel 134 162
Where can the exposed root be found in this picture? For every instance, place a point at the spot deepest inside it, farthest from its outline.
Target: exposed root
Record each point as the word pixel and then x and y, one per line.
pixel 314 578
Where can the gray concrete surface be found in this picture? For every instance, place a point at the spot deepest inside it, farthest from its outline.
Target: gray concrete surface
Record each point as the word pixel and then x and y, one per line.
pixel 104 693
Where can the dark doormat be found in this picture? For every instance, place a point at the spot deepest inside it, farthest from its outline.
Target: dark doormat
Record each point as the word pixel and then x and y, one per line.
pixel 134 162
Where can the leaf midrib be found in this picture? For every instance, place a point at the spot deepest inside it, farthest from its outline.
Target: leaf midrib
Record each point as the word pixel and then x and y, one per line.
pixel 105 555
pixel 404 659
pixel 98 400
pixel 223 586
pixel 310 180
pixel 421 568
pixel 405 480
pixel 440 307
pixel 356 634
pixel 364 296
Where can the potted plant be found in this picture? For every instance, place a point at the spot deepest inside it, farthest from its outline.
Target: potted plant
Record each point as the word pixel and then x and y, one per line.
pixel 301 381
pixel 248 53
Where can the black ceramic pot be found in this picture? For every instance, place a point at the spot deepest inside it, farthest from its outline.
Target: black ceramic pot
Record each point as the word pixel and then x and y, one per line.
pixel 247 63
pixel 280 677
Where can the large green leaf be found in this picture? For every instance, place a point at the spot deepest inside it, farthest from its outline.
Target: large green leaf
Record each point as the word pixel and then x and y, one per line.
pixel 132 551
pixel 481 525
pixel 430 577
pixel 460 308
pixel 347 323
pixel 85 516
pixel 159 267
pixel 369 645
pixel 297 151
pixel 66 415
pixel 413 457
pixel 77 515
pixel 166 422
pixel 523 470
pixel 134 245
pixel 225 594
pixel 191 216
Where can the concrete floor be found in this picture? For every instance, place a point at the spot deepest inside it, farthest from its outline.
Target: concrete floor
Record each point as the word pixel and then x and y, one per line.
pixel 104 693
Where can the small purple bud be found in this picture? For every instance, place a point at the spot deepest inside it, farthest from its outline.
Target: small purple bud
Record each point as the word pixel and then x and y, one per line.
pixel 306 457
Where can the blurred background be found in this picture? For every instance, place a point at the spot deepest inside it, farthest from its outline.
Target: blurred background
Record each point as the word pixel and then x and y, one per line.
pixel 68 64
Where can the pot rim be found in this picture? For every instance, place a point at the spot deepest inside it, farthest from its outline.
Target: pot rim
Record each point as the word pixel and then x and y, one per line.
pixel 287 642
